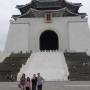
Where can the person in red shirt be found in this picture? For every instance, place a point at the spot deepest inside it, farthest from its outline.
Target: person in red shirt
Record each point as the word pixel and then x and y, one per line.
pixel 28 84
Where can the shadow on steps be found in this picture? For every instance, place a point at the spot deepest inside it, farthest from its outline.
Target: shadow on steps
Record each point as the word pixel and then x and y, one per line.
pixel 78 66
pixel 10 67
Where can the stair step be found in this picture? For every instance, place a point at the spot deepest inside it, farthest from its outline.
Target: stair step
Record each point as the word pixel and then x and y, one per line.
pixel 78 65
pixel 11 66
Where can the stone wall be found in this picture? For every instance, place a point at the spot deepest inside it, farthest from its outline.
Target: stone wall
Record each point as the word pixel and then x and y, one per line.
pixel 24 33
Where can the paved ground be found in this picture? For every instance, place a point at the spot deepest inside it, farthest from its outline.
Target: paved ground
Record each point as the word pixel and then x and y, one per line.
pixel 8 86
pixel 51 86
pixel 67 86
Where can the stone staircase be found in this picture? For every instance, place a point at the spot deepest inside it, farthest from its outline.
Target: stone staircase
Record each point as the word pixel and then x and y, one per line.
pixel 51 65
pixel 10 67
pixel 78 65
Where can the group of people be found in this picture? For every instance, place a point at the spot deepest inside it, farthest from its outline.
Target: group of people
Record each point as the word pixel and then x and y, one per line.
pixel 31 84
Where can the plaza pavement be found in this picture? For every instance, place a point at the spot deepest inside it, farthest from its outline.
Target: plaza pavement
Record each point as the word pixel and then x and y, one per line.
pixel 68 85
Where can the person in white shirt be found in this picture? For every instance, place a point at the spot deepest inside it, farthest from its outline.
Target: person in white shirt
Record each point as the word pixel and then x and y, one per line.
pixel 40 81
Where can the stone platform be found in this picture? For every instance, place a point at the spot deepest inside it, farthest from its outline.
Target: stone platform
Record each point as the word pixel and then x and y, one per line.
pixel 69 85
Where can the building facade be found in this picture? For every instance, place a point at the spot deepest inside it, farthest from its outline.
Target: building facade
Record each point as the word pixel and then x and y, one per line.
pixel 48 25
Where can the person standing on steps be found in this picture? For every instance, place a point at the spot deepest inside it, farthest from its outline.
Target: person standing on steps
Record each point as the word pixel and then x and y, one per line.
pixel 34 82
pixel 40 82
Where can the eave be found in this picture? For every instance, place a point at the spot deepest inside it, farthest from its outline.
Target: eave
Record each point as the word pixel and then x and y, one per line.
pixel 35 13
pixel 39 6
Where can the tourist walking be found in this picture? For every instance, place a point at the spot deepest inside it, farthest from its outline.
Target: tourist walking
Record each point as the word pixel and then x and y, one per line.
pixel 28 84
pixel 34 82
pixel 40 82
pixel 22 82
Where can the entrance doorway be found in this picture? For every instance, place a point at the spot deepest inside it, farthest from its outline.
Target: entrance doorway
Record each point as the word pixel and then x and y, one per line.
pixel 49 40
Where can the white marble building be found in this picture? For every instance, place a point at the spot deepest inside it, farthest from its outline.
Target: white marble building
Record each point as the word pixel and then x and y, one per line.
pixel 54 26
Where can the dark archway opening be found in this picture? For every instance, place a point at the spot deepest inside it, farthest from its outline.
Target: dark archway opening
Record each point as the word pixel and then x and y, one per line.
pixel 49 40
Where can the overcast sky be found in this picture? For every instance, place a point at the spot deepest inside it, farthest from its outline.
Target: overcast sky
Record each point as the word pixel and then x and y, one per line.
pixel 7 9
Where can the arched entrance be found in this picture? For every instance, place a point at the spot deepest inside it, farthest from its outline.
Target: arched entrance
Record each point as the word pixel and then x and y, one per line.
pixel 49 40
